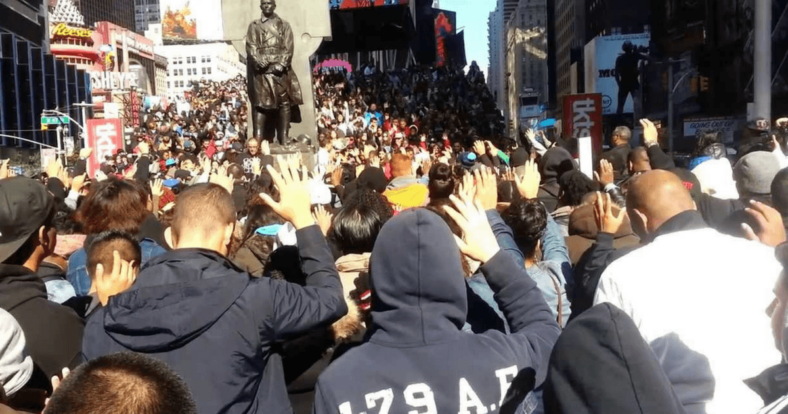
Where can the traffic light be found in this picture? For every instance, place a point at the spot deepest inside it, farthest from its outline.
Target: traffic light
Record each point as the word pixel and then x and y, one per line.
pixel 44 127
pixel 694 84
pixel 704 84
pixel 665 81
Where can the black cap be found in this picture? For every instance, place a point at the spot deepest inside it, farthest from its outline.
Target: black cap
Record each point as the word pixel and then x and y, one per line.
pixel 25 205
pixel 183 174
pixel 519 158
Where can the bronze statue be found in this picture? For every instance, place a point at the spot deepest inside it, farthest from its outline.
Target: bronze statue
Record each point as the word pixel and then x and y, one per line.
pixel 273 86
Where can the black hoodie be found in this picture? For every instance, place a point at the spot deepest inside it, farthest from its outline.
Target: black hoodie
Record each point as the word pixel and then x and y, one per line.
pixel 417 358
pixel 53 332
pixel 602 365
pixel 215 326
pixel 554 163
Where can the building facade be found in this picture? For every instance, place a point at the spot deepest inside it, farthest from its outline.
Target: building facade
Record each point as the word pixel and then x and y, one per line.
pixel 496 41
pixel 216 62
pixel 569 42
pixel 32 80
pixel 616 17
pixel 118 12
pixel 526 63
pixel 146 12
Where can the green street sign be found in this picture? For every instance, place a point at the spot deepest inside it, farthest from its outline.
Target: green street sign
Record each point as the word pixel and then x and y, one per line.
pixel 54 120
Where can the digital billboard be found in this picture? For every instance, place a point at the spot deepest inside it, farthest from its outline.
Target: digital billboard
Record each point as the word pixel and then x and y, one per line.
pixel 445 27
pixel 613 68
pixel 187 20
pixel 355 4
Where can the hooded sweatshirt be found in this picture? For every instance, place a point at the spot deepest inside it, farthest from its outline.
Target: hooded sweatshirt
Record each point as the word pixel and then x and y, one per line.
pixel 407 192
pixel 553 164
pixel 44 323
pixel 601 364
pixel 16 367
pixel 416 357
pixel 583 232
pixel 215 326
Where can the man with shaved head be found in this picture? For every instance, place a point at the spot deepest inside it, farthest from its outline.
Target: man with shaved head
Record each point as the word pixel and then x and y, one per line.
pixel 638 161
pixel 696 296
pixel 211 322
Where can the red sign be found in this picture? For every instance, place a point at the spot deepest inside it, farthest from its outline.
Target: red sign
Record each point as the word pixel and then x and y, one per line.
pixel 105 136
pixel 583 117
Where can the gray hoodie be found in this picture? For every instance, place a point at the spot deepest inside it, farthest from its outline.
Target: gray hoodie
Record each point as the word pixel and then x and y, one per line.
pixel 16 366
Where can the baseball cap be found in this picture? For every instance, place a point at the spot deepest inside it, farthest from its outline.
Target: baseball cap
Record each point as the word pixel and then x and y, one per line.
pixel 25 205
pixel 171 162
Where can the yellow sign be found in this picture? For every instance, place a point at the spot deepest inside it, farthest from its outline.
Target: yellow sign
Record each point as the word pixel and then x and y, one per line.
pixel 61 30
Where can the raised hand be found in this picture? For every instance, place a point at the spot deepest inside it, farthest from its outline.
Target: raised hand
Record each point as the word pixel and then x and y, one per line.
pixel 4 169
pixel 84 153
pixel 294 205
pixel 528 184
pixel 478 148
pixel 78 182
pixel 486 188
pixel 156 188
pixel 323 219
pixel 605 175
pixel 478 241
pixel 223 179
pixel 606 221
pixel 120 280
pixel 467 189
pixel 650 133
pixel 772 230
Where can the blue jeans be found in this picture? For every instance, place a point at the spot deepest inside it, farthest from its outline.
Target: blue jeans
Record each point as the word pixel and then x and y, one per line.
pixel 78 270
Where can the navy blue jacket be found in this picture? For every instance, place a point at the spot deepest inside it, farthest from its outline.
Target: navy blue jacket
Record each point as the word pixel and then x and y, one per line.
pixel 416 358
pixel 214 325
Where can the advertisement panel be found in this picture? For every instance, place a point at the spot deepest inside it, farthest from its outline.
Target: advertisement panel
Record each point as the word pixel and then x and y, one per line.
pixel 445 26
pixel 726 126
pixel 613 68
pixel 105 136
pixel 583 117
pixel 182 20
pixel 355 4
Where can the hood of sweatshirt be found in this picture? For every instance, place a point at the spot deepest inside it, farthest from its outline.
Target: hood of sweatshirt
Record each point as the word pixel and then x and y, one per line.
pixel 418 290
pixel 177 297
pixel 554 163
pixel 582 223
pixel 620 373
pixel 19 285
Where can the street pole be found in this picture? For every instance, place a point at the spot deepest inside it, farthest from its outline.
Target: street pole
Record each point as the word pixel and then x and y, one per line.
pixel 670 105
pixel 763 59
pixel 59 140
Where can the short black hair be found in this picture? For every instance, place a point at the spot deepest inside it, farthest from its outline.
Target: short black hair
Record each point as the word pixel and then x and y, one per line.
pixel 574 186
pixel 101 248
pixel 528 220
pixel 122 383
pixel 441 183
pixel 358 223
pixel 780 192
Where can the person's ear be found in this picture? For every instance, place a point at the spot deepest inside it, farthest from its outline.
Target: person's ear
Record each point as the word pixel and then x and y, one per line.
pixel 47 237
pixel 631 166
pixel 228 234
pixel 639 222
pixel 168 237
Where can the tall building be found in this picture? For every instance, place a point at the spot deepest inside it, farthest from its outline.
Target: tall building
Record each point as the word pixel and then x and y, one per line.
pixel 193 62
pixel 118 12
pixel 495 70
pixel 526 62
pixel 26 20
pixel 146 12
pixel 569 41
pixel 615 17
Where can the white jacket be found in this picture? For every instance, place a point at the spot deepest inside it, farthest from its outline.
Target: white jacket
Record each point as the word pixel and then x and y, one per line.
pixel 699 300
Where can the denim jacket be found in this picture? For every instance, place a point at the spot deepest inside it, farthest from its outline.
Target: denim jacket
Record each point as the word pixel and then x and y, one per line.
pixel 555 269
pixel 78 270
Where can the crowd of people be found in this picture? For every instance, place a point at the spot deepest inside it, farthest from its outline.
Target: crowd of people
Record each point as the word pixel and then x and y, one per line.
pixel 418 261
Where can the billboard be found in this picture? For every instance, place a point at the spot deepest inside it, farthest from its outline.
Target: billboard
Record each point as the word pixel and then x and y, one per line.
pixel 613 68
pixel 355 4
pixel 445 27
pixel 182 20
pixel 583 117
pixel 105 136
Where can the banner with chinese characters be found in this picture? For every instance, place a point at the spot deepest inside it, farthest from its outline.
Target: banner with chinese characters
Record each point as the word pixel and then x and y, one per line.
pixel 105 136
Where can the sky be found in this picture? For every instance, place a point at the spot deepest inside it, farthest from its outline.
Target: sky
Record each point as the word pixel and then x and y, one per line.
pixel 473 14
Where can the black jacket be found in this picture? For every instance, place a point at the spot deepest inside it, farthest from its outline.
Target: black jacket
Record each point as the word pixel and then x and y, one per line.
pixel 602 365
pixel 53 332
pixel 216 326
pixel 416 356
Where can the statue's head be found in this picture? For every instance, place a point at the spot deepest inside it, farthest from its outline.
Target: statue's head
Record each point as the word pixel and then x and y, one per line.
pixel 268 7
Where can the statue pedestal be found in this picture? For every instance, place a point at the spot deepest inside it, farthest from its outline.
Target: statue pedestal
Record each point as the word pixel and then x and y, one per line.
pixel 311 23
